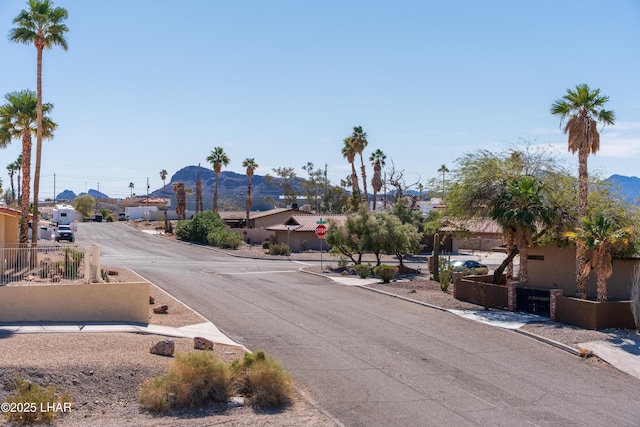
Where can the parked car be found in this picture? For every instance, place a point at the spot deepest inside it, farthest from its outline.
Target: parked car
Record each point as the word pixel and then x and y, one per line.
pixel 470 267
pixel 64 232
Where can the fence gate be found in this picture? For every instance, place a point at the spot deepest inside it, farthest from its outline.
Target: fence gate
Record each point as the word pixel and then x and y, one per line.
pixel 535 301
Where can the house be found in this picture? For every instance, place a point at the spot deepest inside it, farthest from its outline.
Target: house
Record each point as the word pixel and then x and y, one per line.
pixel 259 219
pixel 299 231
pixel 481 234
pixel 9 226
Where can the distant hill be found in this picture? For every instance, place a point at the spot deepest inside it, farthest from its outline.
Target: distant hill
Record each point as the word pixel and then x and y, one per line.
pixel 70 195
pixel 628 186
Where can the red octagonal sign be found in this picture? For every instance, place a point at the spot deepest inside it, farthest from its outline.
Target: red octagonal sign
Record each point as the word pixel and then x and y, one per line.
pixel 321 231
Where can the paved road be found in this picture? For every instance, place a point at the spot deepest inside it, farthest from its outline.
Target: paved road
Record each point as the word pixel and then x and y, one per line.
pixel 371 360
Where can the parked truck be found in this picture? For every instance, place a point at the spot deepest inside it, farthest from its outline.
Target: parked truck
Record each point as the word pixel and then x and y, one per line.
pixel 63 214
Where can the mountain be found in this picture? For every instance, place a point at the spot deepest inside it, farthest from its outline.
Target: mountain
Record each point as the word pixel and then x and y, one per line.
pixel 70 195
pixel 628 187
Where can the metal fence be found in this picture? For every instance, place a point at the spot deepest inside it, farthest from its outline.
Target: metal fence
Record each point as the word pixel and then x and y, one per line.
pixel 48 262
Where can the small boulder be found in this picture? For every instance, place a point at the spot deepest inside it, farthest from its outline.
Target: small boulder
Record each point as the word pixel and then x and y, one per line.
pixel 161 310
pixel 163 348
pixel 152 300
pixel 200 343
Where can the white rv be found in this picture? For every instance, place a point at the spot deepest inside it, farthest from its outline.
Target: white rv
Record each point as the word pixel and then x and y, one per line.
pixel 63 214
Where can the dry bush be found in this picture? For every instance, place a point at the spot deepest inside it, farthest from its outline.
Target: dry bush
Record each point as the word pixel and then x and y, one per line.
pixel 36 404
pixel 262 381
pixel 194 379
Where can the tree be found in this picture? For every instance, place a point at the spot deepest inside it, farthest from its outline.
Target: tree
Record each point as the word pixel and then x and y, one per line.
pixel 584 109
pixel 163 177
pixel 358 142
pixel 520 209
pixel 18 118
pixel 285 181
pixel 349 153
pixel 85 205
pixel 251 166
pixel 217 158
pixel 43 26
pixel 314 184
pixel 13 168
pixel 199 207
pixel 444 170
pixel 601 237
pixel 181 200
pixel 131 185
pixel 377 159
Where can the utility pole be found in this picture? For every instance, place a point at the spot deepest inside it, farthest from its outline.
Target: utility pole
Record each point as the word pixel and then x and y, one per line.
pixel 54 189
pixel 147 191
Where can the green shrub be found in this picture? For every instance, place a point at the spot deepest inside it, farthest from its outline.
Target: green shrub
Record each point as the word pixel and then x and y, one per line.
pixel 261 380
pixel 198 228
pixel 385 272
pixel 194 379
pixel 445 272
pixel 223 238
pixel 42 404
pixel 279 249
pixel 363 270
pixel 266 245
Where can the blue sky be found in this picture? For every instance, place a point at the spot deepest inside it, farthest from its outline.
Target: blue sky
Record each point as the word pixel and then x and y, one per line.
pixel 156 84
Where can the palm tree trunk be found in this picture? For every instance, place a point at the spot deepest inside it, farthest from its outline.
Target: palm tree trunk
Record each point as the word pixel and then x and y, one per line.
pixel 364 181
pixel 583 192
pixel 355 186
pixel 523 274
pixel 375 195
pixel 215 195
pixel 26 184
pixel 248 202
pixel 601 275
pixel 36 176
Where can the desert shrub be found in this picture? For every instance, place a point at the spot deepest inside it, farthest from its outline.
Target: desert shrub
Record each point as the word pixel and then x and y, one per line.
pixel 39 403
pixel 385 272
pixel 198 228
pixel 261 380
pixel 343 261
pixel 223 238
pixel 363 270
pixel 194 379
pixel 279 249
pixel 266 245
pixel 445 273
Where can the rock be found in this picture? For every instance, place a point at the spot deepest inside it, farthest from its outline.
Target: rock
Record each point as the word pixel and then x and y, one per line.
pixel 163 348
pixel 200 343
pixel 152 300
pixel 161 310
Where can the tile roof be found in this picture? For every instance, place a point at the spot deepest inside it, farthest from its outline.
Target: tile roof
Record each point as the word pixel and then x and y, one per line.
pixel 307 222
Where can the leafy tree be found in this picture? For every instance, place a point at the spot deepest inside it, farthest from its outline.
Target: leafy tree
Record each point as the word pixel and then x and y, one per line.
pixel 400 238
pixel 378 161
pixel 584 109
pixel 18 120
pixel 285 181
pixel 519 210
pixel 217 158
pixel 42 25
pixel 349 153
pixel 601 238
pixel 315 187
pixel 251 166
pixel 85 205
pixel 358 142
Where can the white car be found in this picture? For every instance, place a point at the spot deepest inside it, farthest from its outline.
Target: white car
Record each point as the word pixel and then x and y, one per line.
pixel 64 232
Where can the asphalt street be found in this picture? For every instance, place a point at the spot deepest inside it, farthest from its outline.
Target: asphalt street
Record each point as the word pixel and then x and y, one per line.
pixel 371 360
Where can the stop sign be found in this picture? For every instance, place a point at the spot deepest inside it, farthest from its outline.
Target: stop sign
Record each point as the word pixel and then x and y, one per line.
pixel 321 231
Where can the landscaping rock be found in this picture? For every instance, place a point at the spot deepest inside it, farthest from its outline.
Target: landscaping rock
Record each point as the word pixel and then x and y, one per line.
pixel 200 343
pixel 161 310
pixel 163 348
pixel 152 300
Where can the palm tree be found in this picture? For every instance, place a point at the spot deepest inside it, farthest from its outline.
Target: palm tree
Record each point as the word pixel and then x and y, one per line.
pixel 349 153
pixel 584 109
pixel 444 170
pixel 600 237
pixel 377 159
pixel 12 168
pixel 251 166
pixel 163 177
pixel 18 118
pixel 131 185
pixel 358 141
pixel 519 210
pixel 43 26
pixel 217 158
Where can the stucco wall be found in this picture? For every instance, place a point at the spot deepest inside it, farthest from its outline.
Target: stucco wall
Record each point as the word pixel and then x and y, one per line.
pixel 557 269
pixel 100 302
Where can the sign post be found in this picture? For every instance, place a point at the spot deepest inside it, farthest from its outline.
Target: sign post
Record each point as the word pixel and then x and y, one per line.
pixel 321 231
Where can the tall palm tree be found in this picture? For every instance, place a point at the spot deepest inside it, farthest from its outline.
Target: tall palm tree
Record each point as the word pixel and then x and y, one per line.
pixel 377 159
pixel 349 153
pixel 217 158
pixel 18 118
pixel 519 210
pixel 600 237
pixel 131 185
pixel 444 170
pixel 584 109
pixel 163 177
pixel 251 166
pixel 42 25
pixel 358 140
